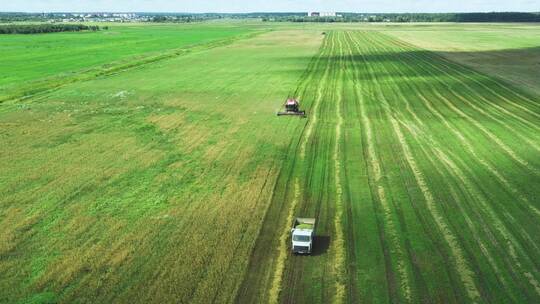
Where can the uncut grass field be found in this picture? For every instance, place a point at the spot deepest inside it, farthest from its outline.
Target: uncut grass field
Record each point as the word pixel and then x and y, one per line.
pixel 156 170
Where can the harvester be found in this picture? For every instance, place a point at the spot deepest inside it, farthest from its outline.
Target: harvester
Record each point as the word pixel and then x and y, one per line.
pixel 292 107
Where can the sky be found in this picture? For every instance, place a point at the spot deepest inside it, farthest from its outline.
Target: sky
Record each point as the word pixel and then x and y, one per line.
pixel 243 6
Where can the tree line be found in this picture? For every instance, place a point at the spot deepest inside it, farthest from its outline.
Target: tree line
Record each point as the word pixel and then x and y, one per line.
pixel 413 17
pixel 179 19
pixel 46 28
pixel 295 17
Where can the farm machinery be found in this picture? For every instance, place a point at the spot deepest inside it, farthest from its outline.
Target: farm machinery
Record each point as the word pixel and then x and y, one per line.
pixel 292 107
pixel 302 232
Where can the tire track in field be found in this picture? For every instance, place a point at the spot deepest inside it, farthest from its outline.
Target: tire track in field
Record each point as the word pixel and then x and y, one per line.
pixel 339 247
pixel 401 96
pixel 449 65
pixel 472 105
pixel 500 109
pixel 466 143
pixel 515 104
pixel 295 266
pixel 309 74
pixel 509 239
pixel 511 242
pixel 493 137
pixel 313 117
pixel 475 232
pixel 469 146
pixel 490 104
pixel 470 72
pixel 444 254
pixel 475 194
pixel 467 276
pixel 311 174
pixel 275 288
pixel 463 269
pixel 256 283
pixel 414 132
pixel 279 270
pixel 500 122
pixel 352 270
pixel 461 82
pixel 413 263
pixel 380 193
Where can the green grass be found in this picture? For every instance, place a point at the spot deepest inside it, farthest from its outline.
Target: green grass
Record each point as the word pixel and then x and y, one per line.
pixel 436 191
pixel 149 184
pixel 174 181
pixel 42 61
pixel 27 58
pixel 508 51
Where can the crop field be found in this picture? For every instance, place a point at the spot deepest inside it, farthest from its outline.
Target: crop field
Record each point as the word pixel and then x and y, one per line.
pixel 510 52
pixel 34 63
pixel 173 181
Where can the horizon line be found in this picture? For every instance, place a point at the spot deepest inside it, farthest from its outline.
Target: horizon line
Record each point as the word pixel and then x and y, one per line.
pixel 267 12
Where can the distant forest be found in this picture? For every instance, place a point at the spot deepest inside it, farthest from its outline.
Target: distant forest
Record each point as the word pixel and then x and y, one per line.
pixel 45 28
pixel 412 17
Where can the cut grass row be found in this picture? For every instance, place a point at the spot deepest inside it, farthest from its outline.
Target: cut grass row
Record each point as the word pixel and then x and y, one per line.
pixel 388 54
pixel 437 172
pixel 494 220
pixel 509 52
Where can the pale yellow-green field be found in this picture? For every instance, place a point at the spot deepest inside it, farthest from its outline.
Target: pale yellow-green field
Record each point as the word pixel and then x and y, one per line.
pixel 508 51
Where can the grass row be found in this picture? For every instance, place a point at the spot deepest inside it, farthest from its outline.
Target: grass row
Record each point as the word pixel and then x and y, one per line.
pixel 428 150
pixel 435 186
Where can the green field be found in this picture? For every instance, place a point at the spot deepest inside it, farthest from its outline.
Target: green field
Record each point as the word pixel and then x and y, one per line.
pixel 510 52
pixel 32 62
pixel 169 178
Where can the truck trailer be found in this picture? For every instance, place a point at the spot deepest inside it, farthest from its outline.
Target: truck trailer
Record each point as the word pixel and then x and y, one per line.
pixel 302 233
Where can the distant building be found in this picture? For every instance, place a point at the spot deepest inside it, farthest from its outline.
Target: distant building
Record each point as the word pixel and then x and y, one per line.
pixel 322 14
pixel 328 14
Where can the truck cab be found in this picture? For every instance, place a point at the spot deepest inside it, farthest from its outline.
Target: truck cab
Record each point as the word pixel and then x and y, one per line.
pixel 302 233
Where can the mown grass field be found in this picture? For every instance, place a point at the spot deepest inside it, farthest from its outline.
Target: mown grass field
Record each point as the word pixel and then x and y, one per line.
pixel 508 51
pixel 173 181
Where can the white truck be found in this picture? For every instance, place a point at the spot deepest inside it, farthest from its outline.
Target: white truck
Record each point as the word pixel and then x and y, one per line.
pixel 303 232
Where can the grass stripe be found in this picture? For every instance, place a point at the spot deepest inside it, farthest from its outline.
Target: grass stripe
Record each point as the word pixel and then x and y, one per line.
pixel 511 242
pixel 339 244
pixel 467 276
pixel 380 193
pixel 463 269
pixel 278 274
pixel 466 143
pixel 279 268
pixel 460 69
